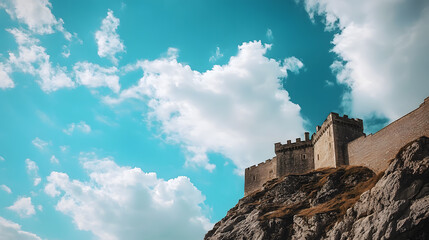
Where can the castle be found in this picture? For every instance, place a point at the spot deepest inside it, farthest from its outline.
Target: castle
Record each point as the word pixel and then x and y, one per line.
pixel 340 141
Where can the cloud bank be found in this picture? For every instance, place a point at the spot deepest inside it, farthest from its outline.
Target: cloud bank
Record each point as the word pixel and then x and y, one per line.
pixel 127 203
pixel 238 109
pixel 383 51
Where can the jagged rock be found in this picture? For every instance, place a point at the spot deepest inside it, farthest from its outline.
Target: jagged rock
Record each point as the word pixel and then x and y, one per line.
pixel 342 203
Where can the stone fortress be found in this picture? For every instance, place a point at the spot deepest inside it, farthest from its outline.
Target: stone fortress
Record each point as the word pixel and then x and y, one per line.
pixel 340 141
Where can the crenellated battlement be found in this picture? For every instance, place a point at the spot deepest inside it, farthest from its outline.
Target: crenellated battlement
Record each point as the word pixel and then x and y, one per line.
pixel 268 161
pixel 289 146
pixel 352 123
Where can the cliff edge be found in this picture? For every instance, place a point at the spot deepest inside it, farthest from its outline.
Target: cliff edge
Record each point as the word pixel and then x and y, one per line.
pixel 338 203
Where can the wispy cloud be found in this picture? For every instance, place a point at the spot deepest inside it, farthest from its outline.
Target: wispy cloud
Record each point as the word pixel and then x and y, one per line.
pixel 54 160
pixel 39 143
pixel 5 188
pixel 216 56
pixel 269 34
pixel 33 171
pixel 80 126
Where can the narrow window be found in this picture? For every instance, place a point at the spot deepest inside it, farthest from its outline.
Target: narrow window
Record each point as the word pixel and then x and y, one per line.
pixel 303 156
pixel 329 145
pixel 254 178
pixel 317 156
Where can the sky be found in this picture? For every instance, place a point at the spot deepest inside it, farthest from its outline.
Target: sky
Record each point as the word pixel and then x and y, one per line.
pixel 136 119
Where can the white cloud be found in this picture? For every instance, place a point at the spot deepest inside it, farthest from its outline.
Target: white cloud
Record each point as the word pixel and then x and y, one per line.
pixel 5 188
pixel 64 148
pixel 39 143
pixel 37 15
pixel 93 76
pixel 383 51
pixel 127 203
pixel 5 80
pixel 80 126
pixel 329 83
pixel 10 230
pixel 33 171
pixel 108 41
pixel 216 56
pixel 54 160
pixel 269 34
pixel 1 158
pixel 238 109
pixel 34 60
pixel 23 207
pixel 66 52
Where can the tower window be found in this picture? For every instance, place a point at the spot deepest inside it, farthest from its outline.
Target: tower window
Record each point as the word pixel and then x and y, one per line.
pixel 303 156
pixel 254 178
pixel 318 157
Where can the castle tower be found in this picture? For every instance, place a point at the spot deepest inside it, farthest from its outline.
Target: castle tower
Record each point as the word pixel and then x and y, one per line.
pixel 294 158
pixel 331 139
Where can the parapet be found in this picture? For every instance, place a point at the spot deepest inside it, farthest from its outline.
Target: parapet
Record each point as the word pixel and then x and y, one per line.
pixel 289 146
pixel 261 164
pixel 344 120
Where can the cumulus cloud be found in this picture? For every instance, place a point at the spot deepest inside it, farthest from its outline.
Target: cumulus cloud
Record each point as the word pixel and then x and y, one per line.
pixel 33 171
pixel 80 126
pixel 23 207
pixel 12 230
pixel 5 188
pixel 108 41
pixel 383 53
pixel 39 143
pixel 238 109
pixel 126 203
pixel 93 75
pixel 36 14
pixel 34 60
pixel 216 56
pixel 5 80
pixel 1 158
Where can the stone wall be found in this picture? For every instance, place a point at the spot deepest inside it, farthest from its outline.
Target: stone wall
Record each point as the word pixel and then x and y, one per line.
pixel 256 176
pixel 294 158
pixel 375 151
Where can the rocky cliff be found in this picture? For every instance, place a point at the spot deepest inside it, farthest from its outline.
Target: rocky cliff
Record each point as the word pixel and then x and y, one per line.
pixel 342 203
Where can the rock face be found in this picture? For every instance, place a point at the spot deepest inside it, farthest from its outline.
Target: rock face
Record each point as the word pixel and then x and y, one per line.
pixel 338 203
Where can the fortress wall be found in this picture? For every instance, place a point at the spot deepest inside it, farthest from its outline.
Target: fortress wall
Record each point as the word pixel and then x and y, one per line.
pixel 374 151
pixel 295 161
pixel 256 176
pixel 324 147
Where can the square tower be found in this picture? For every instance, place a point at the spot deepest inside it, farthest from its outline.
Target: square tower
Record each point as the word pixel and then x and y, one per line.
pixel 330 140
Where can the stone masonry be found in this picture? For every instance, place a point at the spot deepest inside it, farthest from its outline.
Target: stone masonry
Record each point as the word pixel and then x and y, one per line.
pixel 340 141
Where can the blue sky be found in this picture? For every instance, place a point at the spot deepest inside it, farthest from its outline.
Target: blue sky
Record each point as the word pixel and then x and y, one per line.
pixel 120 120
